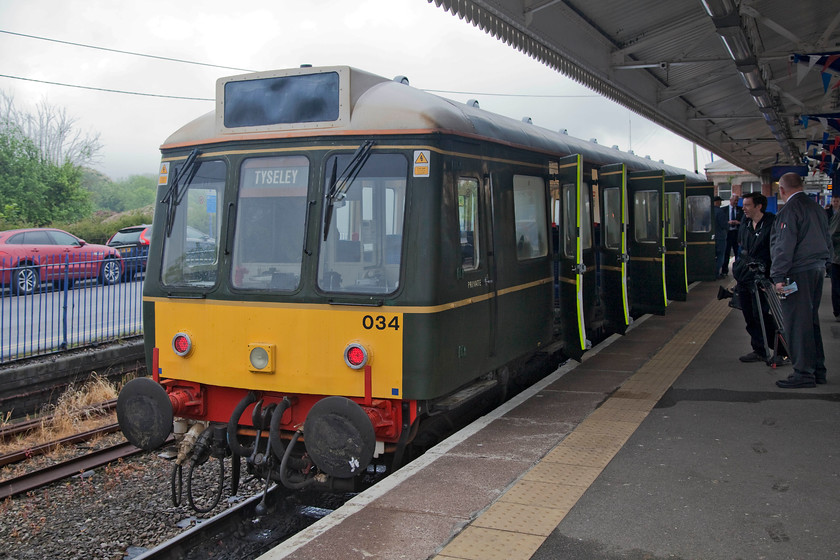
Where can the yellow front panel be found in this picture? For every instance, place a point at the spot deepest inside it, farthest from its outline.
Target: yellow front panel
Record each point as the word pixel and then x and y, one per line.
pixel 309 343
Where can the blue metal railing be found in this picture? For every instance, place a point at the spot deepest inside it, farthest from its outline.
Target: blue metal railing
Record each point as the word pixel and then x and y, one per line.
pixel 48 305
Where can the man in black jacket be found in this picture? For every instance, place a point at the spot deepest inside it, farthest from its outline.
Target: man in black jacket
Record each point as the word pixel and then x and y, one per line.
pixel 754 241
pixel 800 246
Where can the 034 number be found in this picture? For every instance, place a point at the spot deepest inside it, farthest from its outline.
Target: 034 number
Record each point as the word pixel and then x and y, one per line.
pixel 380 322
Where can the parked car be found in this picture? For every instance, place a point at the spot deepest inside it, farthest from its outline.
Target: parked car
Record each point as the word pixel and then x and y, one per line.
pixel 35 256
pixel 133 244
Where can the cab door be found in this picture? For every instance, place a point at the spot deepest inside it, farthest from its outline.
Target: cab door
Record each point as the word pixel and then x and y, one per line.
pixel 567 214
pixel 646 191
pixel 612 185
pixel 676 282
pixel 699 232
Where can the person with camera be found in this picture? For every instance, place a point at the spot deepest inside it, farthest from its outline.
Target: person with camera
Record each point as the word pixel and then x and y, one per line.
pixel 800 247
pixel 754 243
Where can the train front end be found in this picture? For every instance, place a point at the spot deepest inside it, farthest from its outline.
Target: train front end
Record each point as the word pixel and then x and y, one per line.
pixel 268 303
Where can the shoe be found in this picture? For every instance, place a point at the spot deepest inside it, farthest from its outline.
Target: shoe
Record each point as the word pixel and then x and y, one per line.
pixel 820 380
pixel 752 357
pixel 778 361
pixel 797 381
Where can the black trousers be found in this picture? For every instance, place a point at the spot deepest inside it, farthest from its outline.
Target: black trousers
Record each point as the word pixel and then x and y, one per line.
pixel 753 321
pixel 731 243
pixel 802 322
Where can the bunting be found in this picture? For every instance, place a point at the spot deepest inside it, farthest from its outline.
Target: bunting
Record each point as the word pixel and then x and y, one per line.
pixel 823 155
pixel 828 64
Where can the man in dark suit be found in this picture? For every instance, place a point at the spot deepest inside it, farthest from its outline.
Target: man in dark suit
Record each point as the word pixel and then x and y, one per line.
pixel 721 227
pixel 735 215
pixel 799 248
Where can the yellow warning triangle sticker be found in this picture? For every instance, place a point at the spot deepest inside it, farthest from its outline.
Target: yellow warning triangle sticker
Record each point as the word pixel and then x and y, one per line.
pixel 421 158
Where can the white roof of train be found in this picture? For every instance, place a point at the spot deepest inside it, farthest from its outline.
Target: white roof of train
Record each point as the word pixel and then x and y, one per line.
pixel 377 105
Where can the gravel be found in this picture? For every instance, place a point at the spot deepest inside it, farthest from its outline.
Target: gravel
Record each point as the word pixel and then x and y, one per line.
pixel 115 512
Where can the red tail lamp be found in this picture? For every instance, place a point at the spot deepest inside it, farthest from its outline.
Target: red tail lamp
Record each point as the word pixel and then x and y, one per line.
pixel 355 355
pixel 181 344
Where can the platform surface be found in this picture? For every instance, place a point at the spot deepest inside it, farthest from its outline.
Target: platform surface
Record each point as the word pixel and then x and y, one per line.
pixel 661 444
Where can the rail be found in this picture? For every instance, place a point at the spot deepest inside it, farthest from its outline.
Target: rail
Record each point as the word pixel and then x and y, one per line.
pixel 49 306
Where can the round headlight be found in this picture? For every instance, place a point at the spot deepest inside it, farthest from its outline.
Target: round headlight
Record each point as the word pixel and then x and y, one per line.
pixel 259 357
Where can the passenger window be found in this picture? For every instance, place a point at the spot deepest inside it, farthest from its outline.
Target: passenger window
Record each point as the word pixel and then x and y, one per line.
pixel 61 238
pixel 646 216
pixel 586 218
pixel 569 221
pixel 673 215
pixel 612 218
pixel 698 211
pixel 37 238
pixel 529 214
pixel 270 220
pixel 468 223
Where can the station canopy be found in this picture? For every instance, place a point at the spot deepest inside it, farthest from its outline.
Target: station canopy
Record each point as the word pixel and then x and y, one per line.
pixel 755 81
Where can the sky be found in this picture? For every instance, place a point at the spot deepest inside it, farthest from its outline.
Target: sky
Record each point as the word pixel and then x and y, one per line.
pixel 414 38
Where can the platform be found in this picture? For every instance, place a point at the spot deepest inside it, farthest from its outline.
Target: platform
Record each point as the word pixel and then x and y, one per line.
pixel 661 444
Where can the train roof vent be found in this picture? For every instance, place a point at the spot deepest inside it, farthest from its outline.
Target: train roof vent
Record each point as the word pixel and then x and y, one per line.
pixel 401 80
pixel 631 152
pixel 564 131
pixel 647 157
pixel 593 140
pixel 306 65
pixel 527 120
pixel 615 146
pixel 473 103
pixel 661 161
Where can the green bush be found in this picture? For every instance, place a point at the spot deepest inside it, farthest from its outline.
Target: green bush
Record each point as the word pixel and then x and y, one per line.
pixel 95 230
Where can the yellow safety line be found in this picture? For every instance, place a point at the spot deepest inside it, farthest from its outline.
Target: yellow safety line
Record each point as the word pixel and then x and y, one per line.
pixel 517 524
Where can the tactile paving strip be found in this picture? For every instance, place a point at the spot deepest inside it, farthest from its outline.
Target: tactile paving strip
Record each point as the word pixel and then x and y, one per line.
pixel 516 525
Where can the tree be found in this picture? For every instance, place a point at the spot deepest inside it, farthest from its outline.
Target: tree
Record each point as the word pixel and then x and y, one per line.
pixel 53 132
pixel 36 190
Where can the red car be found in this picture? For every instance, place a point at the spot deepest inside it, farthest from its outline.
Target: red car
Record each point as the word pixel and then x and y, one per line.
pixel 31 257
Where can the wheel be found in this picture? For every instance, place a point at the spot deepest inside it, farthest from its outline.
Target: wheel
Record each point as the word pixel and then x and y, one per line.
pixel 110 272
pixel 25 280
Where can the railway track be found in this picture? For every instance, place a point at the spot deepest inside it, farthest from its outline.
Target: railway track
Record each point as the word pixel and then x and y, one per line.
pixel 70 467
pixel 23 454
pixel 239 532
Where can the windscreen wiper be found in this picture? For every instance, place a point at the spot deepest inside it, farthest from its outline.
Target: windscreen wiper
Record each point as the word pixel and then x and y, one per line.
pixel 341 184
pixel 173 197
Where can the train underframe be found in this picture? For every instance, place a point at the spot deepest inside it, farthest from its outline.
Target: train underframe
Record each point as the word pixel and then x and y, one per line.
pixel 330 443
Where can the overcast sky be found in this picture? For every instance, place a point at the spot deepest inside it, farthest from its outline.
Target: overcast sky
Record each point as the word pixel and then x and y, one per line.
pixel 434 49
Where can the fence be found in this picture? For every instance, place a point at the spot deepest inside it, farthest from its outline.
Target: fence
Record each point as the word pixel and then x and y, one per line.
pixel 55 305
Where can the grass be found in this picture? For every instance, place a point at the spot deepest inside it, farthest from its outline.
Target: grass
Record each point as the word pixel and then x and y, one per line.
pixel 77 410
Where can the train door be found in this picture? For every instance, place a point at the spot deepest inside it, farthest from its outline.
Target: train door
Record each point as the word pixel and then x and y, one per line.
pixel 488 208
pixel 645 191
pixel 676 281
pixel 566 213
pixel 593 312
pixel 612 186
pixel 699 232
